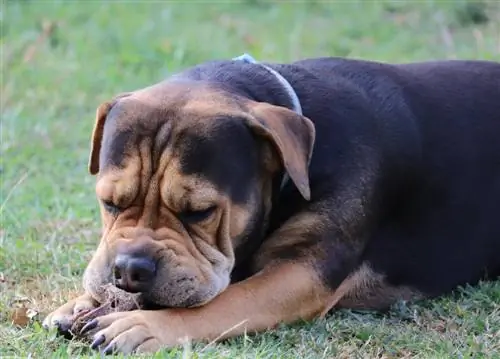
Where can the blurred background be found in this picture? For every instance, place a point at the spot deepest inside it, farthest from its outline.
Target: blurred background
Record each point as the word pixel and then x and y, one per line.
pixel 61 59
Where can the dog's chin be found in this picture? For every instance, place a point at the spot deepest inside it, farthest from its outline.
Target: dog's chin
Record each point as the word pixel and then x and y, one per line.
pixel 168 299
pixel 148 301
pixel 182 289
pixel 149 304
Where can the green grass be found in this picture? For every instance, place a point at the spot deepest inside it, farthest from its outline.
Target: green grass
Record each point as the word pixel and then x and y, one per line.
pixel 52 82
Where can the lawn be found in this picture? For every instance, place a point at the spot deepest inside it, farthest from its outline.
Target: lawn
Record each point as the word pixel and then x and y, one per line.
pixel 60 59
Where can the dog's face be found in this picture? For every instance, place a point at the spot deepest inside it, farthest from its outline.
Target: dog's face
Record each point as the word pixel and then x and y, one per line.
pixel 184 177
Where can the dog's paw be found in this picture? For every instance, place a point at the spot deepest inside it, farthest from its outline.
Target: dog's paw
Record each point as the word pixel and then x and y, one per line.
pixel 63 317
pixel 138 331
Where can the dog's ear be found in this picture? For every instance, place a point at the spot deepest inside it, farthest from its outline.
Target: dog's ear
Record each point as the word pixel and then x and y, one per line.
pixel 97 133
pixel 293 138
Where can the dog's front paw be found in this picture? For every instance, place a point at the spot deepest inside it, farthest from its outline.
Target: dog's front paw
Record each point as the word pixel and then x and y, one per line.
pixel 138 331
pixel 63 317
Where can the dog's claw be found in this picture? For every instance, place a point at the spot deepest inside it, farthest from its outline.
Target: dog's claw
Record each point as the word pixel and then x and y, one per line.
pixel 110 349
pixel 46 325
pixel 98 341
pixel 62 327
pixel 89 326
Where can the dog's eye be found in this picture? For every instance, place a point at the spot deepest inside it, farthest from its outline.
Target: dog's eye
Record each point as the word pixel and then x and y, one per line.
pixel 111 207
pixel 193 216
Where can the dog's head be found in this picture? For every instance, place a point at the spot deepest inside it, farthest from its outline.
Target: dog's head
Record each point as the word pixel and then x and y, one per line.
pixel 185 173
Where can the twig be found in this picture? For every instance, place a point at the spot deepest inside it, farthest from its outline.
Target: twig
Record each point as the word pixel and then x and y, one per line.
pixel 223 333
pixel 47 30
pixel 446 35
pixel 21 180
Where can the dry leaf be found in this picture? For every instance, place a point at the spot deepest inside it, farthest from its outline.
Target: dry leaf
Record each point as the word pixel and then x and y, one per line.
pixel 31 313
pixel 48 28
pixel 20 317
pixel 116 300
pixel 20 299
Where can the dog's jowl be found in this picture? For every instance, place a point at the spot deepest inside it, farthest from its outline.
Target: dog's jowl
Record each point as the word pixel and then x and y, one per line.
pixel 244 195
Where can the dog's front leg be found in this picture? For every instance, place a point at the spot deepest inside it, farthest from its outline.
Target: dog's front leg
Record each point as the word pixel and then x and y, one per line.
pixel 62 317
pixel 280 293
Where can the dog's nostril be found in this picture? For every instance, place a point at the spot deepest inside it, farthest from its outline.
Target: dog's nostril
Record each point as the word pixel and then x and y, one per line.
pixel 135 276
pixel 133 273
pixel 143 271
pixel 117 273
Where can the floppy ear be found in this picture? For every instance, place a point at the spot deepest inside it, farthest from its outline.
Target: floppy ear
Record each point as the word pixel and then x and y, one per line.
pixel 95 146
pixel 293 137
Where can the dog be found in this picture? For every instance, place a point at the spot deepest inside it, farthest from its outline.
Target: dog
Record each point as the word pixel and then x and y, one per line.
pixel 238 195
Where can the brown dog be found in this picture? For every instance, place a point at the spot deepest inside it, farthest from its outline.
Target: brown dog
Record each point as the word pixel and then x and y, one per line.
pixel 230 210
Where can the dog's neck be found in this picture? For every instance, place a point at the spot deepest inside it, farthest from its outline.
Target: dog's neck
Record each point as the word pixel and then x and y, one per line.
pixel 255 81
pixel 246 58
pixel 248 78
pixel 296 106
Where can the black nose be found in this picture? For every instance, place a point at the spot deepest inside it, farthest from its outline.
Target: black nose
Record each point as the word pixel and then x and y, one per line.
pixel 132 273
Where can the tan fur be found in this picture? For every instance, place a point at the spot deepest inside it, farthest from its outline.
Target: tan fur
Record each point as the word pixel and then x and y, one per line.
pixel 278 294
pixel 97 133
pixel 65 314
pixel 291 234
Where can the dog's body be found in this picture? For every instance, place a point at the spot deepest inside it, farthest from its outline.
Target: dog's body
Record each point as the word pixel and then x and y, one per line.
pixel 393 193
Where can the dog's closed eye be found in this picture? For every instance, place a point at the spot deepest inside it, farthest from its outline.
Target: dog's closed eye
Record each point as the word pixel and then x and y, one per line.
pixel 195 216
pixel 111 207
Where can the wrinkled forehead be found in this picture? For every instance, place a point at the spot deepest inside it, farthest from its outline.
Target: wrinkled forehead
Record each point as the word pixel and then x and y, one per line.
pixel 224 154
pixel 157 113
pixel 201 127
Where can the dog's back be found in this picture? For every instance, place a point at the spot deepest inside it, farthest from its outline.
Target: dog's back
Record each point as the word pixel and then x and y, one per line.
pixel 440 122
